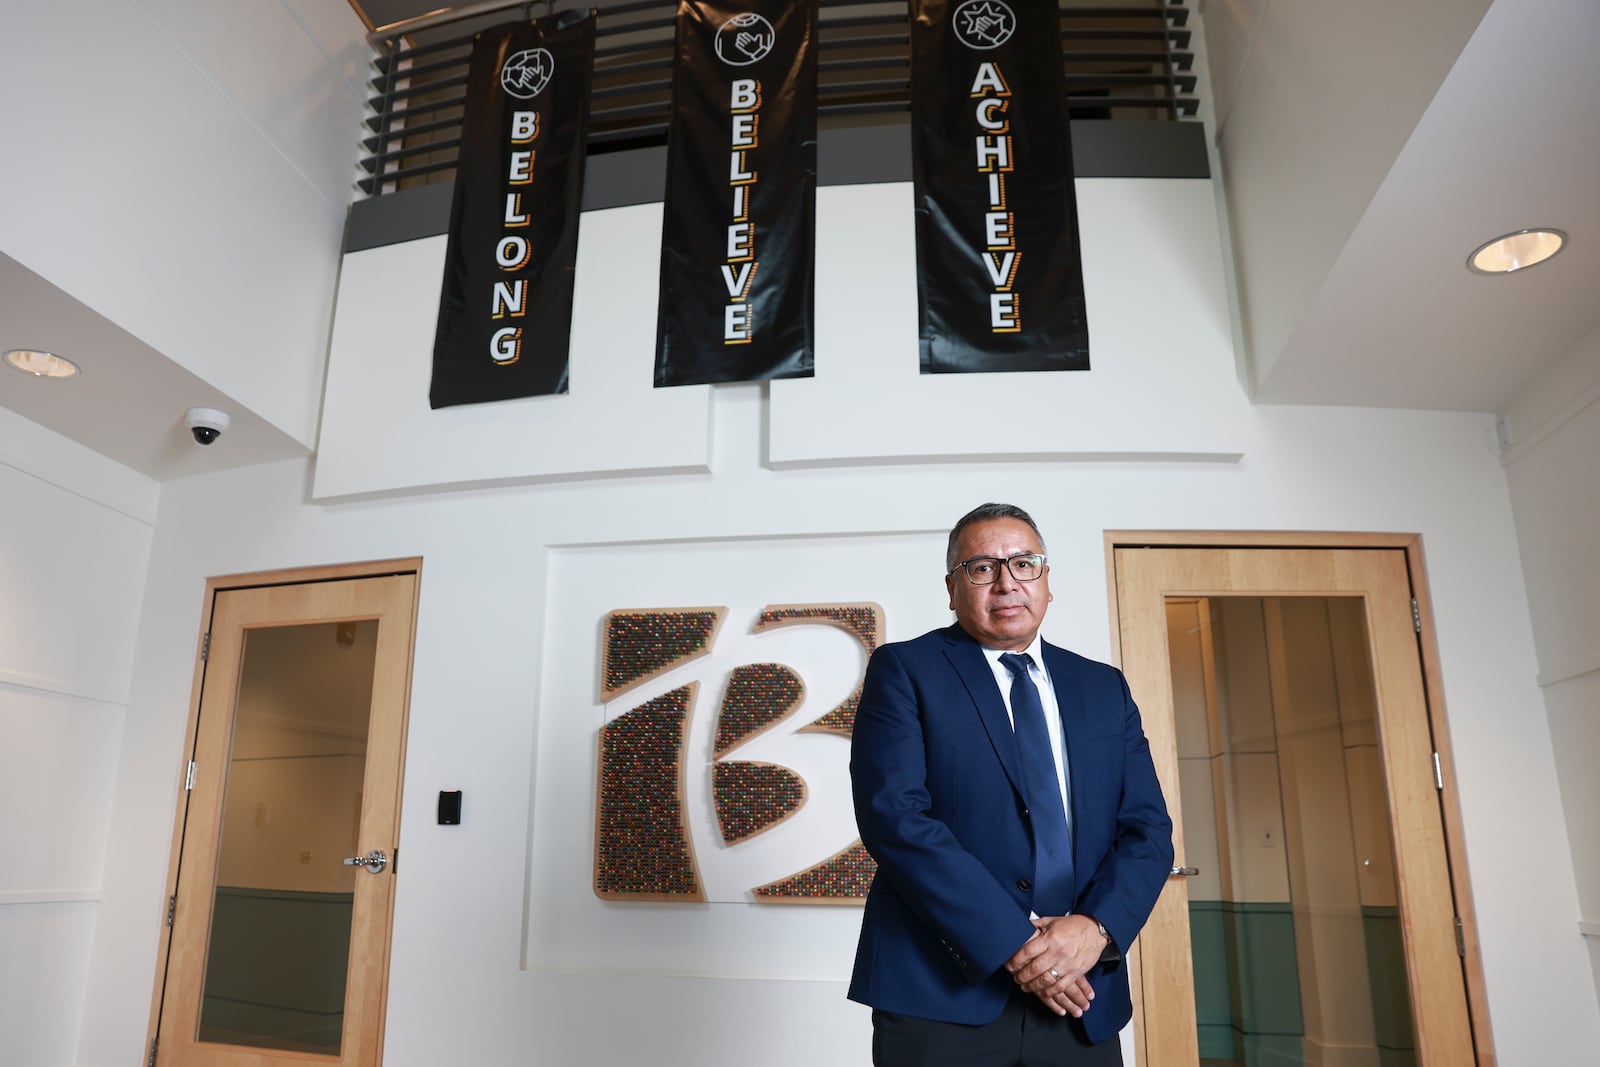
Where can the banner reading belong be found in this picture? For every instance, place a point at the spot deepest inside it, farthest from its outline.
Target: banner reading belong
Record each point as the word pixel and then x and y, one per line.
pixel 999 276
pixel 738 236
pixel 505 309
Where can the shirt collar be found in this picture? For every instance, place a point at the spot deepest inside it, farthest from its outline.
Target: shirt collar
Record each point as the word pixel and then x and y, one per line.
pixel 1035 651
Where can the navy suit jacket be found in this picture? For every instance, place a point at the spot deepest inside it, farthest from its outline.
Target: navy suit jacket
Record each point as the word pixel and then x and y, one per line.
pixel 939 803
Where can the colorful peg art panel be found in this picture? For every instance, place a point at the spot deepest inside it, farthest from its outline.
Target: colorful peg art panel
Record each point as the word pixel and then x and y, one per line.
pixel 643 850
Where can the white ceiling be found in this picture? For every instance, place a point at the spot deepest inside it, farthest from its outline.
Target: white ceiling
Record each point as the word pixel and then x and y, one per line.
pixel 1509 140
pixel 129 402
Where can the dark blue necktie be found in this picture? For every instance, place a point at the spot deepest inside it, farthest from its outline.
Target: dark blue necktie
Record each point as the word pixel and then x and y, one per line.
pixel 1054 882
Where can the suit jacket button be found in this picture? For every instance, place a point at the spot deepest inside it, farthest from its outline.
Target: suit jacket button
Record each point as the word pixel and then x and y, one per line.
pixel 1025 884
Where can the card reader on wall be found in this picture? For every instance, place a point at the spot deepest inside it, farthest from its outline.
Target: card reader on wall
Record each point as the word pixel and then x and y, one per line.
pixel 449 807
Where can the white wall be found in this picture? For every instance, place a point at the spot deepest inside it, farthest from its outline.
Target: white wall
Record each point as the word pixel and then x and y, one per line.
pixel 1555 492
pixel 74 545
pixel 867 404
pixel 475 712
pixel 486 699
pixel 199 169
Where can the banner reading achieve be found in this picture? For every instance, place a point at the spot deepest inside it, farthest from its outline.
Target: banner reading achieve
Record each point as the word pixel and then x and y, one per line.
pixel 999 275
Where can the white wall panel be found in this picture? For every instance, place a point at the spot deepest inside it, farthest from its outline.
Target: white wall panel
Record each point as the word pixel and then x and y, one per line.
pixel 1555 492
pixel 1555 487
pixel 74 550
pixel 1564 390
pixel 290 79
pixel 1190 699
pixel 379 434
pixel 32 449
pixel 1158 330
pixel 59 762
pixel 71 580
pixel 140 158
pixel 1255 828
pixel 1158 321
pixel 1575 731
pixel 46 954
pixel 1203 848
pixel 1369 816
pixel 1230 30
pixel 341 35
pixel 577 931
pixel 1193 729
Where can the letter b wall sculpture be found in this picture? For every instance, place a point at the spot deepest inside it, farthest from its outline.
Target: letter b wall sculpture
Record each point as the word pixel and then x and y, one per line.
pixel 643 847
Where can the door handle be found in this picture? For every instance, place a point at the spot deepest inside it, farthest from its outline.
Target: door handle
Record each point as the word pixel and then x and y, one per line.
pixel 1187 872
pixel 375 861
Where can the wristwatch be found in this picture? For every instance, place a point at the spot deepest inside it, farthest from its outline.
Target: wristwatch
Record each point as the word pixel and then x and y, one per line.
pixel 1111 951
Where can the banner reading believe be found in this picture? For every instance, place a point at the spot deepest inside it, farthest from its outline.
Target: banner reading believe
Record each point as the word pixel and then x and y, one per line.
pixel 505 309
pixel 999 276
pixel 738 234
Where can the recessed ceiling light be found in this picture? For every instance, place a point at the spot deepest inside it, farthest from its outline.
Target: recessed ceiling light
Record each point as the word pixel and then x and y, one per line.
pixel 41 364
pixel 1515 251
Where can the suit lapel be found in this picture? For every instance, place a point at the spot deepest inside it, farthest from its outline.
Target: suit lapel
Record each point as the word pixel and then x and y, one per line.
pixel 967 659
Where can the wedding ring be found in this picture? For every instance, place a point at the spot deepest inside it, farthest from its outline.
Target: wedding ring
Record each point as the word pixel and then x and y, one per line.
pixel 1055 974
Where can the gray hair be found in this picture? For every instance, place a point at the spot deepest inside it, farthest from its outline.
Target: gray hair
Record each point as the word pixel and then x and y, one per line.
pixel 987 513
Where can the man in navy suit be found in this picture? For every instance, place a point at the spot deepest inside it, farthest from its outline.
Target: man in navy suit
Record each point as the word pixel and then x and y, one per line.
pixel 1005 788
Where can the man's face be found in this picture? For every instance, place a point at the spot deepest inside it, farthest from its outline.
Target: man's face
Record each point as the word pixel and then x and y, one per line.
pixel 1006 614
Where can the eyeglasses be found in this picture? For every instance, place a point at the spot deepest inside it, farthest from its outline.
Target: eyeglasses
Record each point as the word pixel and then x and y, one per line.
pixel 985 570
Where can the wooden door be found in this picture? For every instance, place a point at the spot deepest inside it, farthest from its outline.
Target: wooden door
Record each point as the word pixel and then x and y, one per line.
pixel 1371 589
pixel 284 884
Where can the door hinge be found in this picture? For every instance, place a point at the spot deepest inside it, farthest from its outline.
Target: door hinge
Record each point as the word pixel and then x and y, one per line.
pixel 1416 617
pixel 1461 943
pixel 205 643
pixel 188 778
pixel 1438 773
pixel 172 908
pixel 151 1061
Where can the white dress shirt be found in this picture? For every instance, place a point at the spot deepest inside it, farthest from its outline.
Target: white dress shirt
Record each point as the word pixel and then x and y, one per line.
pixel 1052 711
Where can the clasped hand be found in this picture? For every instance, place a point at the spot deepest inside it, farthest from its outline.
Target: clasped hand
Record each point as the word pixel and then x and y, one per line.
pixel 1053 962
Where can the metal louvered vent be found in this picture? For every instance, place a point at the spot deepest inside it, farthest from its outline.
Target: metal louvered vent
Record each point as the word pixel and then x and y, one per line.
pixel 1127 61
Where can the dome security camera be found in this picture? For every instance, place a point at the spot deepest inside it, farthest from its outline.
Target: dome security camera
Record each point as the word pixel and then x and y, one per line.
pixel 206 424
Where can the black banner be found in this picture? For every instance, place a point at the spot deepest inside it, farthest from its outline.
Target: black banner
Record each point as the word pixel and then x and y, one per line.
pixel 999 277
pixel 739 232
pixel 505 310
